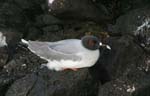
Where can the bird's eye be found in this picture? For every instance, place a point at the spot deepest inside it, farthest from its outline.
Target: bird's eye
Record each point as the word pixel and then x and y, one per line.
pixel 91 42
pixel 94 41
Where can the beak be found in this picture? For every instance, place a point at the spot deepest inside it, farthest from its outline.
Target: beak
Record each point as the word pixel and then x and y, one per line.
pixel 104 45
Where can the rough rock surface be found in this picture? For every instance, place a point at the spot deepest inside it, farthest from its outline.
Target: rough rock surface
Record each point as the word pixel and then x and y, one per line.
pixel 128 68
pixel 50 83
pixel 123 71
pixel 135 23
pixel 78 10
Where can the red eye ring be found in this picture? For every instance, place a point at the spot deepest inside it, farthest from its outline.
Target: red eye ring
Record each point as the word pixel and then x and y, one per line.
pixel 91 42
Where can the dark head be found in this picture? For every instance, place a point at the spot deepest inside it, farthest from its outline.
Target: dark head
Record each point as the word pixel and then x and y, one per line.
pixel 93 43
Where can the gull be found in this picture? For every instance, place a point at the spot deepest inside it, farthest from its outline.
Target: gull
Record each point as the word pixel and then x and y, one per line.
pixel 68 54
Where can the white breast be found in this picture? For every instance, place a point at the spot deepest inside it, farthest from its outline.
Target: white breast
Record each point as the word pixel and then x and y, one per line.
pixel 88 59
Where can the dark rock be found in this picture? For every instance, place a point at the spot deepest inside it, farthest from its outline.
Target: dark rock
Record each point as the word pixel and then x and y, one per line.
pixel 30 9
pixel 124 54
pixel 24 62
pixel 119 7
pixel 79 29
pixel 49 83
pixel 100 73
pixel 12 39
pixel 52 28
pixel 25 83
pixel 135 23
pixel 128 67
pixel 143 90
pixel 52 36
pixel 133 84
pixel 33 33
pixel 5 82
pixel 23 4
pixel 17 68
pixel 77 10
pixel 11 16
pixel 3 57
pixel 128 23
pixel 47 19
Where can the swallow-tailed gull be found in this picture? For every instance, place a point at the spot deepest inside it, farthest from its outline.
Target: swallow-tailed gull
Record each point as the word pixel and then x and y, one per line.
pixel 69 53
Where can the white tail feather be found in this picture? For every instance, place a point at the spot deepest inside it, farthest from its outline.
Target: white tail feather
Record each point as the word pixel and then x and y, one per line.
pixel 24 41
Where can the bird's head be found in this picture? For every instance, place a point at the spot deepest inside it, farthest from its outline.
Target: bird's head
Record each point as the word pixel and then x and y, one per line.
pixel 93 43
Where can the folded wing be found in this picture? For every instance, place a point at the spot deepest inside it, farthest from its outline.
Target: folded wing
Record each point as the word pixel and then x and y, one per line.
pixel 65 49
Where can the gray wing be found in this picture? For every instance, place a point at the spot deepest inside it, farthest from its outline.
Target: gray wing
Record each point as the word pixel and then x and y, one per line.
pixel 54 50
pixel 70 46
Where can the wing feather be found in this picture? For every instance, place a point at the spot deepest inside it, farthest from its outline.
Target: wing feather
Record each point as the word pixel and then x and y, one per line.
pixel 54 50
